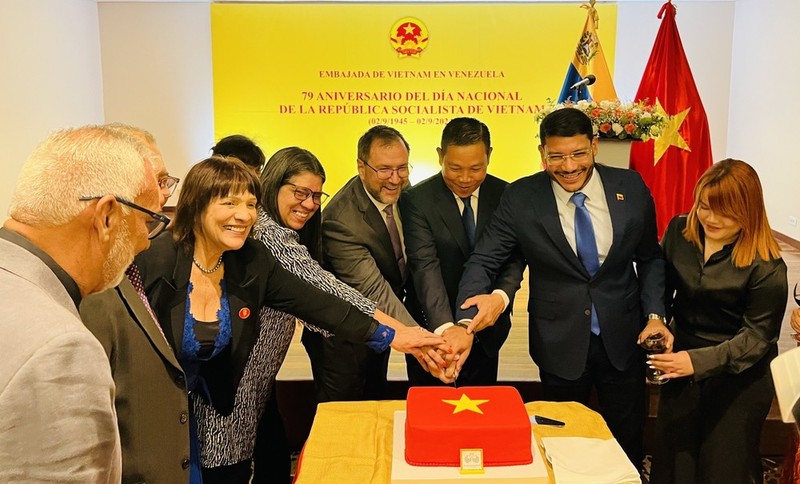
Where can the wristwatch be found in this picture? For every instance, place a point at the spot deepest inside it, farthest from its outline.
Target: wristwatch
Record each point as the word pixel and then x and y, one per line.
pixel 658 317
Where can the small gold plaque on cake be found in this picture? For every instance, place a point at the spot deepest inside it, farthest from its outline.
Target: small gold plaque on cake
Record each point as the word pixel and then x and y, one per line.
pixel 472 461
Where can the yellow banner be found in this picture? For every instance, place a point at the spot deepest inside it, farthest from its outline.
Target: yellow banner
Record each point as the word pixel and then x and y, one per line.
pixel 319 75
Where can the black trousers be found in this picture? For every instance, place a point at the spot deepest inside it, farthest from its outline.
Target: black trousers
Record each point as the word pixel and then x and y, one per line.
pixel 271 457
pixel 479 370
pixel 709 431
pixel 238 473
pixel 621 395
pixel 271 462
pixel 345 371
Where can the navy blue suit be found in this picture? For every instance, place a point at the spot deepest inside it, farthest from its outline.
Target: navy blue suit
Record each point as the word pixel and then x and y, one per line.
pixel 437 249
pixel 628 286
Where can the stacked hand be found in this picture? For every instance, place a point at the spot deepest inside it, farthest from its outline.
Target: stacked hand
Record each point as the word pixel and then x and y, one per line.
pixel 421 343
pixel 490 307
pixel 461 342
pixel 445 361
pixel 429 349
pixel 441 356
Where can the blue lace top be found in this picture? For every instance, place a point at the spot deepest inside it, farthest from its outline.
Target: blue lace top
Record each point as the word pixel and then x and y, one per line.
pixel 190 347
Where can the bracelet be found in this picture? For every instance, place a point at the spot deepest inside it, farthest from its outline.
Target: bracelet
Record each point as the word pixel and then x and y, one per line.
pixel 461 325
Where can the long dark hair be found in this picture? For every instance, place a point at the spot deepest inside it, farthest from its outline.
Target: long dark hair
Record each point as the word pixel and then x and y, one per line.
pixel 211 178
pixel 280 168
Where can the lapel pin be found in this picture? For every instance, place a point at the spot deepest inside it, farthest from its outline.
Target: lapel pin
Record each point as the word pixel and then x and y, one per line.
pixel 620 197
pixel 244 313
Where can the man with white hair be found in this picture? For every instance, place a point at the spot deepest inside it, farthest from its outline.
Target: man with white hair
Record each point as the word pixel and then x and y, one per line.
pixel 82 207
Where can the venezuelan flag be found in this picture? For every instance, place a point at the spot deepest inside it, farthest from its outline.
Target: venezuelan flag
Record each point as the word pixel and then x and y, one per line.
pixel 589 59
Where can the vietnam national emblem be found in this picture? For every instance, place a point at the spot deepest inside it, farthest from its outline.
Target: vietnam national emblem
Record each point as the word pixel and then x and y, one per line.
pixel 409 37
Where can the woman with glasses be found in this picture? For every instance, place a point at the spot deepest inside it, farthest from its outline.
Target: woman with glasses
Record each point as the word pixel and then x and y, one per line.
pixel 289 226
pixel 726 293
pixel 208 282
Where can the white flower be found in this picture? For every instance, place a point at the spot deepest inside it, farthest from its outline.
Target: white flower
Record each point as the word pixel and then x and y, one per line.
pixel 616 114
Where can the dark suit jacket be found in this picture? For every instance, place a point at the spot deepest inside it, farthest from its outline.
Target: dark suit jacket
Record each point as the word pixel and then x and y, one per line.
pixel 253 279
pixel 437 249
pixel 151 399
pixel 359 252
pixel 561 291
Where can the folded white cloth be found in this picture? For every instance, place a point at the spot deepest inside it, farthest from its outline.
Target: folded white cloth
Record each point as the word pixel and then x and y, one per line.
pixel 583 460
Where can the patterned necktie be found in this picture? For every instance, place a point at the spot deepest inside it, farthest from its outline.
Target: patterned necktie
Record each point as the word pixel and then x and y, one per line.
pixel 394 235
pixel 586 245
pixel 468 219
pixel 136 280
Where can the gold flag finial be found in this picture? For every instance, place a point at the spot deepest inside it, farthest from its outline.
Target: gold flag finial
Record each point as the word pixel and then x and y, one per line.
pixel 593 12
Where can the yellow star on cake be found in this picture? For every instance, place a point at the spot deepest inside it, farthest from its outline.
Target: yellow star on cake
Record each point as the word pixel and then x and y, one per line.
pixel 465 403
pixel 670 136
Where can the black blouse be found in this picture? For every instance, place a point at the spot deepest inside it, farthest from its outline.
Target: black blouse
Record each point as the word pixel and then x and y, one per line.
pixel 727 318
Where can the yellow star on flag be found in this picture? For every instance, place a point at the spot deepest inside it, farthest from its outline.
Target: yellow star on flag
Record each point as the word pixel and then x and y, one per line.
pixel 670 136
pixel 465 403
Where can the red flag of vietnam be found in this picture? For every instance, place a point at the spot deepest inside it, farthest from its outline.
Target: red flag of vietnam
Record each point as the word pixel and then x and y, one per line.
pixel 672 163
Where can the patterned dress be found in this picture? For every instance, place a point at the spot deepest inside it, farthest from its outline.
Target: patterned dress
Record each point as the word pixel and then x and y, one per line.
pixel 226 440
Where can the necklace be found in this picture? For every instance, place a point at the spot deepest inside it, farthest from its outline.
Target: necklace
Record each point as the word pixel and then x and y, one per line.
pixel 208 271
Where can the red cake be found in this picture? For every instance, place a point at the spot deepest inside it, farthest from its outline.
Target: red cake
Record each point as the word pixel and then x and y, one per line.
pixel 440 421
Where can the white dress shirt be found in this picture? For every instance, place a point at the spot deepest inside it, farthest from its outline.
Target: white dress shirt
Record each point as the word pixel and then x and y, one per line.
pixel 597 205
pixel 473 203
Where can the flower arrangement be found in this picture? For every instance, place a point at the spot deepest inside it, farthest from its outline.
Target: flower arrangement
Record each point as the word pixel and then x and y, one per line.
pixel 616 120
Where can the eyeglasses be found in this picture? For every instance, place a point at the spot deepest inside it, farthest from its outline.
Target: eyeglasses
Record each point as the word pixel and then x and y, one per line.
pixel 386 173
pixel 169 183
pixel 580 156
pixel 155 225
pixel 302 194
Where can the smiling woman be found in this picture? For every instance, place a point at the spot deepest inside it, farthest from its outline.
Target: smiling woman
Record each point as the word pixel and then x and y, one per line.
pixel 207 284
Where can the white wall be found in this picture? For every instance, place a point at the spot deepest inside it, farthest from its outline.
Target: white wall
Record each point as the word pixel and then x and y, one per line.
pixel 50 76
pixel 157 74
pixel 764 105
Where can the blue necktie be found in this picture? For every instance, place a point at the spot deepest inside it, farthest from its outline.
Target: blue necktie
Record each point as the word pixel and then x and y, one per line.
pixel 586 245
pixel 468 219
